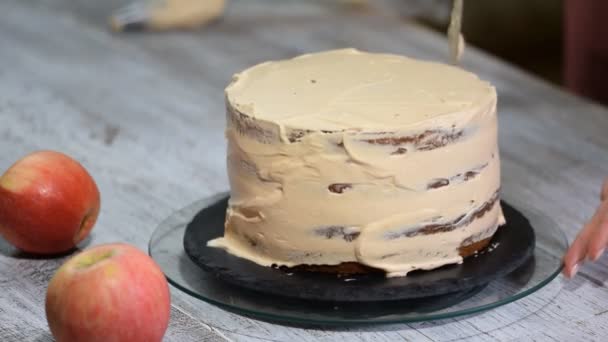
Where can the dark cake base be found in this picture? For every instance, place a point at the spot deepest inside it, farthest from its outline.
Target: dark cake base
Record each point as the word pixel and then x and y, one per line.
pixel 510 247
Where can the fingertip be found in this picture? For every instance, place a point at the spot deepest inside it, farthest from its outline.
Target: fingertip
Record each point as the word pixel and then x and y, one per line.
pixel 573 270
pixel 574 254
pixel 579 249
pixel 570 270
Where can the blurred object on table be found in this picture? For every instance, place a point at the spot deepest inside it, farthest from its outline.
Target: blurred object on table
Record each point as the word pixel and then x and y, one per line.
pixel 586 48
pixel 157 15
pixel 162 15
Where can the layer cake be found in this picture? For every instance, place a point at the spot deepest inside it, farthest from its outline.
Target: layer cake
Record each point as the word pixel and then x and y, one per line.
pixel 352 161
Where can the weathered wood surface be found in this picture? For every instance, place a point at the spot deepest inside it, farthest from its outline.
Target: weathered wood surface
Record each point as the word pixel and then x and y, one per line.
pixel 145 114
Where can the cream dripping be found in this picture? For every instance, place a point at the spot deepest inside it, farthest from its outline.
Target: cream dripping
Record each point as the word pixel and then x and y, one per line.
pixel 348 156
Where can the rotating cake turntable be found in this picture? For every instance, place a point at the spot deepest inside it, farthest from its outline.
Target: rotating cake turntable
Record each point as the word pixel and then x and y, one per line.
pixel 370 176
pixel 524 256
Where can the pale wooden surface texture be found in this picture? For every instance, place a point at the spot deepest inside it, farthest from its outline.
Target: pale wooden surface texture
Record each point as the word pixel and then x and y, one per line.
pixel 145 114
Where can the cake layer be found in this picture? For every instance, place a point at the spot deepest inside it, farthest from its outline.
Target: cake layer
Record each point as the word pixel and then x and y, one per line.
pixel 392 167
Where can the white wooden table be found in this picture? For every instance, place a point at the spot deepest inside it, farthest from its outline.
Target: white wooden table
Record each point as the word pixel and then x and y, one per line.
pixel 145 114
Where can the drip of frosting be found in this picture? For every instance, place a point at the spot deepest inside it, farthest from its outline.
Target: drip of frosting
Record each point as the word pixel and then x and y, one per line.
pixel 382 160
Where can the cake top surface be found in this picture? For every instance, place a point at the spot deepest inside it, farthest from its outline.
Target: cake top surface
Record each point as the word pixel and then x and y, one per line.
pixel 351 89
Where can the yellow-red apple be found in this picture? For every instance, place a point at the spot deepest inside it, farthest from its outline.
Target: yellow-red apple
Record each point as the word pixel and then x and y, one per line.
pixel 48 203
pixel 111 292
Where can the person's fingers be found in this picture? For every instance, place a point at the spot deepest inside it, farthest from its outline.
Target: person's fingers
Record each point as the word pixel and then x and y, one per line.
pixel 599 238
pixel 593 238
pixel 578 250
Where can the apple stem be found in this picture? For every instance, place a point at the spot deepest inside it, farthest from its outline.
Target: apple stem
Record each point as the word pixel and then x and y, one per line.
pixel 90 260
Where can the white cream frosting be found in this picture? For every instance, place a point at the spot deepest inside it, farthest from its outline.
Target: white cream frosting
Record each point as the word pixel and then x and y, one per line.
pixel 339 156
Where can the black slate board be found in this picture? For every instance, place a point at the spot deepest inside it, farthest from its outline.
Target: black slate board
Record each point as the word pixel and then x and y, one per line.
pixel 516 244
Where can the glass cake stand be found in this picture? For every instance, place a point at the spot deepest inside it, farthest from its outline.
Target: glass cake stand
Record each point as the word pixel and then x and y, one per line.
pixel 166 248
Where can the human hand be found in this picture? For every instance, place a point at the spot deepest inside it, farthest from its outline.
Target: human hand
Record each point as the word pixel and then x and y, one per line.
pixel 591 240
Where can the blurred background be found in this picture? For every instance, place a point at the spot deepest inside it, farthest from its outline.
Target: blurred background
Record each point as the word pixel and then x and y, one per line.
pixel 562 41
pixel 527 33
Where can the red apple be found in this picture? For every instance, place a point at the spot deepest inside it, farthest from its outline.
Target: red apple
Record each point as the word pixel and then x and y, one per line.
pixel 48 203
pixel 108 293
